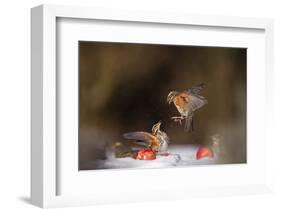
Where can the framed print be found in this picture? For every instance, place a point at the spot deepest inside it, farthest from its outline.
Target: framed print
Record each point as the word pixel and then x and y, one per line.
pixel 170 105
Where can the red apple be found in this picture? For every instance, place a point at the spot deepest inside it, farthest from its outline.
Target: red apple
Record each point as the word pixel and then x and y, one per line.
pixel 204 151
pixel 145 154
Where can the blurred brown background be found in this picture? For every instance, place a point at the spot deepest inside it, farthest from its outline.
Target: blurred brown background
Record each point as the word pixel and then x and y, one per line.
pixel 123 87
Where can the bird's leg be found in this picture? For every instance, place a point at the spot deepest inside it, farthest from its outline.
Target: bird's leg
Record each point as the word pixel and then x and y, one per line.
pixel 177 118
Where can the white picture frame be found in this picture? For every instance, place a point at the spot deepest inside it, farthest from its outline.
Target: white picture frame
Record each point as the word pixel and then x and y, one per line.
pixel 45 152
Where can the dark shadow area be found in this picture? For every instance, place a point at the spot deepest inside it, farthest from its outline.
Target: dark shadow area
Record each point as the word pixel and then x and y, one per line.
pixel 26 200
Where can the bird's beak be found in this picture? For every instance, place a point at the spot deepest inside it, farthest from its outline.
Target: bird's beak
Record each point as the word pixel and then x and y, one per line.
pixel 169 101
pixel 156 127
pixel 159 124
pixel 170 97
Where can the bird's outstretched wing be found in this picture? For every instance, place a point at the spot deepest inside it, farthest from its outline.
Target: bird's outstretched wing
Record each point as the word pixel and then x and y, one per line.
pixel 196 89
pixel 142 137
pixel 196 101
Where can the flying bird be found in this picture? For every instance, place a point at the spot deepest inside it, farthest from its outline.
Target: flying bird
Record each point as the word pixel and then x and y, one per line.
pixel 157 140
pixel 187 102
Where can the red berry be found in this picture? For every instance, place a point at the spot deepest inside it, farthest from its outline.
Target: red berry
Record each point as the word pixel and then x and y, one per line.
pixel 145 154
pixel 204 151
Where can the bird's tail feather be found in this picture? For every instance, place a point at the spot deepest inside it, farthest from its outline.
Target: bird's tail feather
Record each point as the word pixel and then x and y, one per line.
pixel 188 126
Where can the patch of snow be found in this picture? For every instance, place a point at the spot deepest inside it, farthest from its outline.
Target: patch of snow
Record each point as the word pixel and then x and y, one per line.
pixel 180 155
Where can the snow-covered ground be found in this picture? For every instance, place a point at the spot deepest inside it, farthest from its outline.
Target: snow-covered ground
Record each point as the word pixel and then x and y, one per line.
pixel 180 155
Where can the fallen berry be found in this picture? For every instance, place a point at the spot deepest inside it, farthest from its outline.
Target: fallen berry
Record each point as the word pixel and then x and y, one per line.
pixel 204 151
pixel 145 154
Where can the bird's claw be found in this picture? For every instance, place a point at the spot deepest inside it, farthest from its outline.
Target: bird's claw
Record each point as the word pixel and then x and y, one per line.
pixel 177 119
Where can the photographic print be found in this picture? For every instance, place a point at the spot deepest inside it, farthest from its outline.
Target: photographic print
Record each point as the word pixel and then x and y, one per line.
pixel 160 106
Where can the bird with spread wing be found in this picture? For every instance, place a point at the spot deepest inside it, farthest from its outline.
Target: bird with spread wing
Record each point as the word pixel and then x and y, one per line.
pixel 157 141
pixel 187 102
